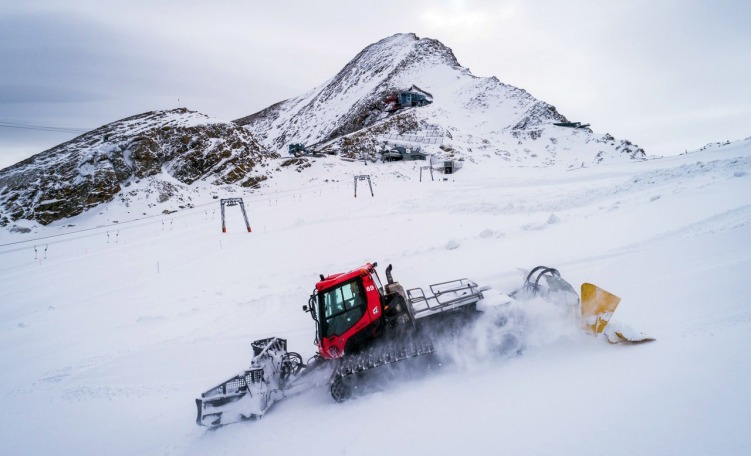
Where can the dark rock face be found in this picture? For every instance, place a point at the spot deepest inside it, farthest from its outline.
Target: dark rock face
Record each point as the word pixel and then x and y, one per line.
pixel 93 168
pixel 539 113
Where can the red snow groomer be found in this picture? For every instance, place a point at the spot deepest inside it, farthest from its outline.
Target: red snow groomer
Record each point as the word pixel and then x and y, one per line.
pixel 362 326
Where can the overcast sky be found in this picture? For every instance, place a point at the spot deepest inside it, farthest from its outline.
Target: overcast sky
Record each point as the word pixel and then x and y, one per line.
pixel 668 75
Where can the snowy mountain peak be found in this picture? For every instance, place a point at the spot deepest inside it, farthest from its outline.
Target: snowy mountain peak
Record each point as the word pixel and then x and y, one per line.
pixel 361 109
pixel 355 96
pixel 403 49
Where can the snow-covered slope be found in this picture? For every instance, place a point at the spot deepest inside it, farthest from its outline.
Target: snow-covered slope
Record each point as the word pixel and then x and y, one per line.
pixel 108 333
pixel 157 153
pixel 475 118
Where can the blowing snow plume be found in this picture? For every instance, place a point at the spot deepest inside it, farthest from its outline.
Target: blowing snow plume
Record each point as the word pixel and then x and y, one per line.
pixel 506 327
pixel 502 327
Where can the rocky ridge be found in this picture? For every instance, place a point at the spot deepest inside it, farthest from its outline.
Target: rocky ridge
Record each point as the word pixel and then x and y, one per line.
pixel 164 149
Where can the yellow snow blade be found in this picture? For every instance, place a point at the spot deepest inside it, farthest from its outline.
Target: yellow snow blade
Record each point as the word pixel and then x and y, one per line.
pixel 597 306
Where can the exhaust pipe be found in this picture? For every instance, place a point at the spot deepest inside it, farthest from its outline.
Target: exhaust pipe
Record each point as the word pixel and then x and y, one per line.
pixel 388 274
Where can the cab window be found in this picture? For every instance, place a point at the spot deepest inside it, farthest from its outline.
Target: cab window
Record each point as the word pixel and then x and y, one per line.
pixel 341 307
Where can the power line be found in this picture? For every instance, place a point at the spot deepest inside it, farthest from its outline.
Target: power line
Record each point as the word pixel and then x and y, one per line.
pixel 42 127
pixel 176 215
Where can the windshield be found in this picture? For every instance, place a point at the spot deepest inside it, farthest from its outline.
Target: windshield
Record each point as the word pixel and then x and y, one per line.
pixel 341 308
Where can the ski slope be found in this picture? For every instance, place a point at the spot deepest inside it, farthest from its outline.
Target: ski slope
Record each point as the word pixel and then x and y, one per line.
pixel 108 331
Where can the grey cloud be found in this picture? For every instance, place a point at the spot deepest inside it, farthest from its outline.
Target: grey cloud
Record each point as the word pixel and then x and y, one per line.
pixel 43 93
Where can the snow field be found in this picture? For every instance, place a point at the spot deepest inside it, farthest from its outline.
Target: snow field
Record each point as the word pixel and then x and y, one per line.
pixel 104 346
